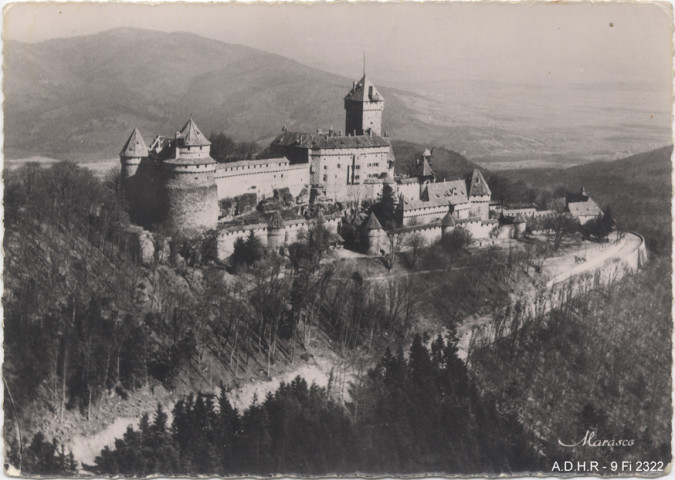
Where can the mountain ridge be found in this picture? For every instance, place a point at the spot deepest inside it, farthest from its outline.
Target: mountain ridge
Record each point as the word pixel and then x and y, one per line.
pixel 90 91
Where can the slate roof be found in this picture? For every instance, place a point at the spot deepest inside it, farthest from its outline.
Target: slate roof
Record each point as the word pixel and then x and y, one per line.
pixel 192 136
pixel 327 141
pixel 364 91
pixel 448 220
pixel 135 146
pixel 478 185
pixel 576 197
pixel 276 222
pixel 453 192
pixel 373 223
pixel 424 169
pixel 582 209
pixel 159 144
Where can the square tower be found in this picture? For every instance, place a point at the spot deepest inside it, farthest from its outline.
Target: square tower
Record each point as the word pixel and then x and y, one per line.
pixel 363 106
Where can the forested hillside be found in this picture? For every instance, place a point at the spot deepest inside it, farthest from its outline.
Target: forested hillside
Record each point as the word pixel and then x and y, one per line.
pixel 87 327
pixel 638 189
pixel 91 334
pixel 414 415
pixel 446 164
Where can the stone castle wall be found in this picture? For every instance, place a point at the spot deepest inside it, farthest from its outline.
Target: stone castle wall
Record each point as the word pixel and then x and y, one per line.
pixel 339 168
pixel 293 230
pixel 261 177
pixel 425 214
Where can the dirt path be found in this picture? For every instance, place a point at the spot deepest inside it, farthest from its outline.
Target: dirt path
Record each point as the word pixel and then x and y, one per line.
pixel 566 266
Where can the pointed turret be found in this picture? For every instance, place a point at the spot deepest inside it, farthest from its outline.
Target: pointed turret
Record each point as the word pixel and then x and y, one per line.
pixel 132 153
pixel 448 220
pixel 374 232
pixel 320 219
pixel 520 226
pixel 364 91
pixel 276 222
pixel 479 195
pixel 423 171
pixel 135 146
pixel 276 232
pixel 364 106
pixel 192 136
pixel 372 223
pixel 478 186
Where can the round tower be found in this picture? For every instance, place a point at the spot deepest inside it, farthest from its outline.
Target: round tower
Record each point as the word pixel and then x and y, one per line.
pixel 190 195
pixel 520 226
pixel 132 153
pixel 276 232
pixel 363 107
pixel 374 232
pixel 447 224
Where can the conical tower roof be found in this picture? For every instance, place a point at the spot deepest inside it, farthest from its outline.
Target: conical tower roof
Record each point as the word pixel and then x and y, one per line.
pixel 276 222
pixel 135 146
pixel 192 136
pixel 424 169
pixel 364 91
pixel 320 217
pixel 448 220
pixel 519 219
pixel 373 223
pixel 478 184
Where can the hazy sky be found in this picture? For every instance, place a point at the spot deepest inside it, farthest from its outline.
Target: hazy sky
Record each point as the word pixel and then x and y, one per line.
pixel 405 42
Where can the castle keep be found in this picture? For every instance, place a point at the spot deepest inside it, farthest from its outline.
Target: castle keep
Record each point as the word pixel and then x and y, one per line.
pixel 345 166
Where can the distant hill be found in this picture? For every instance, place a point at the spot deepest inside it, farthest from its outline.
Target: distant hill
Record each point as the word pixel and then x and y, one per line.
pixel 79 97
pixel 446 164
pixel 637 188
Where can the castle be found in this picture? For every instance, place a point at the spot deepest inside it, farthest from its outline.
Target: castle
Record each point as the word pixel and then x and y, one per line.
pixel 175 185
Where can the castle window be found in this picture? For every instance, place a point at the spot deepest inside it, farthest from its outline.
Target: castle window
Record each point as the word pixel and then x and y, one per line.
pixel 325 167
pixel 282 175
pixel 338 165
pixel 325 178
